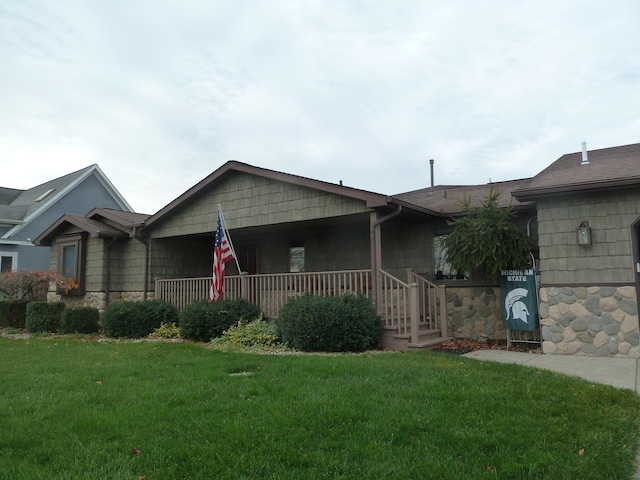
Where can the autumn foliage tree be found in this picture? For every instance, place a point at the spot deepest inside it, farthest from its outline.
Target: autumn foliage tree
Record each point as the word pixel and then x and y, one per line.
pixel 486 238
pixel 32 285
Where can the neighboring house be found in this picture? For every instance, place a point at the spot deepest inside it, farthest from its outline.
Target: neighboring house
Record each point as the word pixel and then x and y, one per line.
pixel 294 234
pixel 25 214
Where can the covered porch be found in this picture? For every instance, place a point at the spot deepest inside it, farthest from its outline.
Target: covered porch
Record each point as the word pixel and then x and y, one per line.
pixel 413 311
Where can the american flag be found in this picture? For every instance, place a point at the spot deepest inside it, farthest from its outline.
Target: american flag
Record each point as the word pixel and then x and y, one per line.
pixel 222 253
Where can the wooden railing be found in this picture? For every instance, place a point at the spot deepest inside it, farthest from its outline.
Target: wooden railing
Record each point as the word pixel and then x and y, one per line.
pixel 269 291
pixel 432 305
pixel 394 303
pixel 404 307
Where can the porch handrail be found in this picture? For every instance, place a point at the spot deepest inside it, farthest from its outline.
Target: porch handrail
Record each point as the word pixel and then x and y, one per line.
pixel 403 306
pixel 432 302
pixel 269 291
pixel 394 304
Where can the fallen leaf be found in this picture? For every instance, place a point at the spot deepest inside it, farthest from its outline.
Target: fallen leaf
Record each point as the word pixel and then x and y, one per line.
pixel 135 451
pixel 581 452
pixel 489 469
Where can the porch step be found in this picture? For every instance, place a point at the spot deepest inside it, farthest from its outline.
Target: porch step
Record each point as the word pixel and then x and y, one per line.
pixel 427 338
pixel 430 343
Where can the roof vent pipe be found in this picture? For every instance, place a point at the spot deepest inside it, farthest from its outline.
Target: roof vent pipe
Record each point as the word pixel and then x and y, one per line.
pixel 585 158
pixel 431 162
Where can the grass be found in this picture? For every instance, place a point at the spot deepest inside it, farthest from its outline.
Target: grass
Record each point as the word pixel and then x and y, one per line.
pixel 74 408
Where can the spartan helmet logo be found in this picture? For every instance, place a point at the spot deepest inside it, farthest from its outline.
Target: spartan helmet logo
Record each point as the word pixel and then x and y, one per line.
pixel 513 305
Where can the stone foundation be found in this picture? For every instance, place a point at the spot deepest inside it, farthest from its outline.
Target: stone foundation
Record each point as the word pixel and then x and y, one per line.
pixel 475 312
pixel 593 321
pixel 97 299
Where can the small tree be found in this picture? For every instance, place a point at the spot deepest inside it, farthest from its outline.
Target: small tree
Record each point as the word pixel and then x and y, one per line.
pixel 32 285
pixel 485 237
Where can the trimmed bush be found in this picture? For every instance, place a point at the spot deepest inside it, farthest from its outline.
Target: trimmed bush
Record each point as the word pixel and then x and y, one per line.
pixel 136 319
pixel 201 321
pixel 13 313
pixel 44 316
pixel 166 330
pixel 80 320
pixel 331 324
pixel 248 334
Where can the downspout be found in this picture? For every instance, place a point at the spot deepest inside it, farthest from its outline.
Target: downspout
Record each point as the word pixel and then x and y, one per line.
pixel 108 273
pixel 376 255
pixel 146 268
pixel 146 261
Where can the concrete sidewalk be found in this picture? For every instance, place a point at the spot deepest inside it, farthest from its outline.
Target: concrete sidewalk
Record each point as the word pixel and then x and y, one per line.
pixel 619 372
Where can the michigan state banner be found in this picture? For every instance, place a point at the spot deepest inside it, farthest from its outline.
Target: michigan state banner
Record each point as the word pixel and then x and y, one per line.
pixel 518 295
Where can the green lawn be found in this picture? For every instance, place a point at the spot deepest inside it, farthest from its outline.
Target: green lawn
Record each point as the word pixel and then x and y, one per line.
pixel 158 410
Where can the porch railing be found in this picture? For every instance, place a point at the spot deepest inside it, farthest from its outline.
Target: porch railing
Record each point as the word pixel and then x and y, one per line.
pixel 432 305
pixel 269 291
pixel 406 307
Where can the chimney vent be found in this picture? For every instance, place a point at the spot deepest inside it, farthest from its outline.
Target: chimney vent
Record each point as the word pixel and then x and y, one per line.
pixel 585 157
pixel 431 162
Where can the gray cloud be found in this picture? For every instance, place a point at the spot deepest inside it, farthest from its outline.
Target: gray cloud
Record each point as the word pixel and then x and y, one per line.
pixel 160 94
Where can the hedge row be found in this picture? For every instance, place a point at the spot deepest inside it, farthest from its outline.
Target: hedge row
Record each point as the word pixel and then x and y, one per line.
pixel 50 317
pixel 307 323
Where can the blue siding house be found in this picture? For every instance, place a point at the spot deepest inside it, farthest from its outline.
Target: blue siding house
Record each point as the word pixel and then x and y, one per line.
pixel 25 214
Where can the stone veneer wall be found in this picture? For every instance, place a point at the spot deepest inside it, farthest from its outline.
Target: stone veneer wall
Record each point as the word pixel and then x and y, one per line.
pixel 594 321
pixel 97 299
pixel 475 312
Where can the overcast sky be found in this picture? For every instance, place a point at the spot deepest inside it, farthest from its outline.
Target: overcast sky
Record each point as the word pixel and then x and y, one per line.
pixel 161 93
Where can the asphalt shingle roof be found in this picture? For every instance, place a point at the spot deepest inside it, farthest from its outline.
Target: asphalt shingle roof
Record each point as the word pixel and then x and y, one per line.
pixel 606 168
pixel 446 199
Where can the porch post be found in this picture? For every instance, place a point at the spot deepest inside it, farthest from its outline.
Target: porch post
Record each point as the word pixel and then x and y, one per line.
pixel 414 312
pixel 444 316
pixel 374 230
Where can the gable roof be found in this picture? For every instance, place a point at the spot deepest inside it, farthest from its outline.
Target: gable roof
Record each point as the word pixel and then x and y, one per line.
pixel 22 206
pixel 92 224
pixel 126 219
pixel 607 168
pixel 371 199
pixel 446 199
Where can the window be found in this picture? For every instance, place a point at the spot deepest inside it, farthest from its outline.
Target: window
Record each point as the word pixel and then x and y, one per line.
pixel 296 258
pixel 442 270
pixel 71 261
pixel 8 261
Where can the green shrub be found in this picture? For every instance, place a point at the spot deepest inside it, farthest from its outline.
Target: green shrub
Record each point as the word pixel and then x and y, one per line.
pixel 136 319
pixel 166 330
pixel 44 316
pixel 13 313
pixel 201 321
pixel 333 324
pixel 248 334
pixel 80 320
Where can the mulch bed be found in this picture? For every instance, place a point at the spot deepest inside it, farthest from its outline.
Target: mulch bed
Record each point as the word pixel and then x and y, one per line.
pixel 460 346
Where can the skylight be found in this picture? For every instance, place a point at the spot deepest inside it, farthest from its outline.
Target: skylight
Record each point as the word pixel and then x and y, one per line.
pixel 45 194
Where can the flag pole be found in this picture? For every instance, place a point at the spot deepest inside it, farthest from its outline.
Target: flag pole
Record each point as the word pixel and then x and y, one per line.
pixel 224 225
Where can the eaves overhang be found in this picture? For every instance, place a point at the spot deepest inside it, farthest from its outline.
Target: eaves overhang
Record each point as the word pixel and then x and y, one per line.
pixel 535 193
pixel 91 227
pixel 415 208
